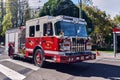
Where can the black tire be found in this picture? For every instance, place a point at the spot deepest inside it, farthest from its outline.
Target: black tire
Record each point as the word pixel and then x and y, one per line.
pixel 11 52
pixel 38 58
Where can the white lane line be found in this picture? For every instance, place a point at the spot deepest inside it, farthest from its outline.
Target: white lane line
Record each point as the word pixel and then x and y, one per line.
pixel 27 65
pixel 3 60
pixel 13 75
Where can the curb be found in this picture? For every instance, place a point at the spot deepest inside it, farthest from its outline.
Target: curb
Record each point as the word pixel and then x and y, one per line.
pixel 114 58
pixel 2 46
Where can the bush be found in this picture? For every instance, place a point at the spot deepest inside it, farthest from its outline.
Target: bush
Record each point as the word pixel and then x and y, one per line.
pixel 94 47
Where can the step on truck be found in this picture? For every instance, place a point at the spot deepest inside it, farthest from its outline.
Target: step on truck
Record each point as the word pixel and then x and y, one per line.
pixel 60 39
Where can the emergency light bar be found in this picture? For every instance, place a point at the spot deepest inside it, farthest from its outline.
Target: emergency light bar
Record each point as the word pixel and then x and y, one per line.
pixel 71 19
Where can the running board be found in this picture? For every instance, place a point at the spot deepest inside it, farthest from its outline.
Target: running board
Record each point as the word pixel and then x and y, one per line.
pixel 22 55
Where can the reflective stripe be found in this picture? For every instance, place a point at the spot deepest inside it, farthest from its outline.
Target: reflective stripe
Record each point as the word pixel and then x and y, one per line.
pixel 28 49
pixel 54 52
pixel 47 51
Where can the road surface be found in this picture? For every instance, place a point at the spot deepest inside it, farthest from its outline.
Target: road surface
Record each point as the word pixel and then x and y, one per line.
pixel 21 69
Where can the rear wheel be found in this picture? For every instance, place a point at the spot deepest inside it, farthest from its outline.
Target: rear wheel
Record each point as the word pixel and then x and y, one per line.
pixel 11 52
pixel 38 58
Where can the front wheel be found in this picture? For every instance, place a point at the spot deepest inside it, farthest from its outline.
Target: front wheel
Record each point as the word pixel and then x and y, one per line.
pixel 11 52
pixel 38 58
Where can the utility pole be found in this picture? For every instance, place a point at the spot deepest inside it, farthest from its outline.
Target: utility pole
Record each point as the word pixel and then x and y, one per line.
pixel 80 8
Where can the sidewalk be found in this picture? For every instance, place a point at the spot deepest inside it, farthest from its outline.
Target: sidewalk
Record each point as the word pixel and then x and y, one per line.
pixel 105 54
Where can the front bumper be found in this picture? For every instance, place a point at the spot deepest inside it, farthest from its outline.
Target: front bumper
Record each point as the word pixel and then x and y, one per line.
pixel 76 58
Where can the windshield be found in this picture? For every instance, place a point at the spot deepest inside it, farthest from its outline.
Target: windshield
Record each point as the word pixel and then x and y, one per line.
pixel 70 29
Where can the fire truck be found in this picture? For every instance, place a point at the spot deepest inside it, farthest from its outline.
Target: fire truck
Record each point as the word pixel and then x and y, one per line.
pixel 60 39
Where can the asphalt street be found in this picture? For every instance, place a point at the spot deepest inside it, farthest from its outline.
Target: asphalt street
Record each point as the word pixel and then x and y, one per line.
pixel 22 69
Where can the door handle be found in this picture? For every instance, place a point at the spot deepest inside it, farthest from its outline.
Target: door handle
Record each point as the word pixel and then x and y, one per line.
pixel 29 41
pixel 43 41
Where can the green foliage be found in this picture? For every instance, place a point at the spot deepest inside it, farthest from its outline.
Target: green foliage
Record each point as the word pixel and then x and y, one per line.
pixel 13 7
pixel 117 19
pixel 102 26
pixel 59 7
pixel 7 23
pixel 27 13
pixel 1 13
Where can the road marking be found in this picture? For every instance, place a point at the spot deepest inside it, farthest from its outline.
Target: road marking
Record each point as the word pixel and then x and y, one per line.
pixel 3 60
pixel 13 75
pixel 27 65
pixel 115 78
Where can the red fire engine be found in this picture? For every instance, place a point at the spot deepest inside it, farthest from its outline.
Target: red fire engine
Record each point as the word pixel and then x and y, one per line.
pixel 60 39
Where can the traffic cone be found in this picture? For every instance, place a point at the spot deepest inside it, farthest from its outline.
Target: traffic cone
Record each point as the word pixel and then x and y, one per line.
pixel 97 53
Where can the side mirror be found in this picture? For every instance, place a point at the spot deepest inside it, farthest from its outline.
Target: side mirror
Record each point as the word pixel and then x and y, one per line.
pixel 61 34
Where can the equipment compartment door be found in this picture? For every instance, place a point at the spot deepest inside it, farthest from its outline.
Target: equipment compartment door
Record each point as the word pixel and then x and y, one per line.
pixel 48 43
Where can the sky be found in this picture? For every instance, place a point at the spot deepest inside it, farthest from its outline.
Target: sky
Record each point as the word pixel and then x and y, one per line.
pixel 111 7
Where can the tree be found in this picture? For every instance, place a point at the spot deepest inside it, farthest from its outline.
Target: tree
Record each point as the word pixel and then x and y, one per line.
pixel 59 7
pixel 117 19
pixel 102 26
pixel 27 13
pixel 23 12
pixel 1 13
pixel 7 21
pixel 14 7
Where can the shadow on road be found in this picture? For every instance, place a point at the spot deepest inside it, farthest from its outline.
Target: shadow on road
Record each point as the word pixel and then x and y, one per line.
pixel 84 69
pixel 87 69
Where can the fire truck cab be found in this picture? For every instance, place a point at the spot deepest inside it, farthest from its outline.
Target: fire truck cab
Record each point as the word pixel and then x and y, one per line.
pixel 60 39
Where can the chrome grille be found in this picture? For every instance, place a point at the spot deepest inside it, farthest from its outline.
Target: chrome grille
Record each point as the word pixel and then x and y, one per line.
pixel 77 45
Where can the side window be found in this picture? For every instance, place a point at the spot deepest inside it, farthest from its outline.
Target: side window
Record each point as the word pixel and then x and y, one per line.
pixel 48 29
pixel 37 27
pixel 31 31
